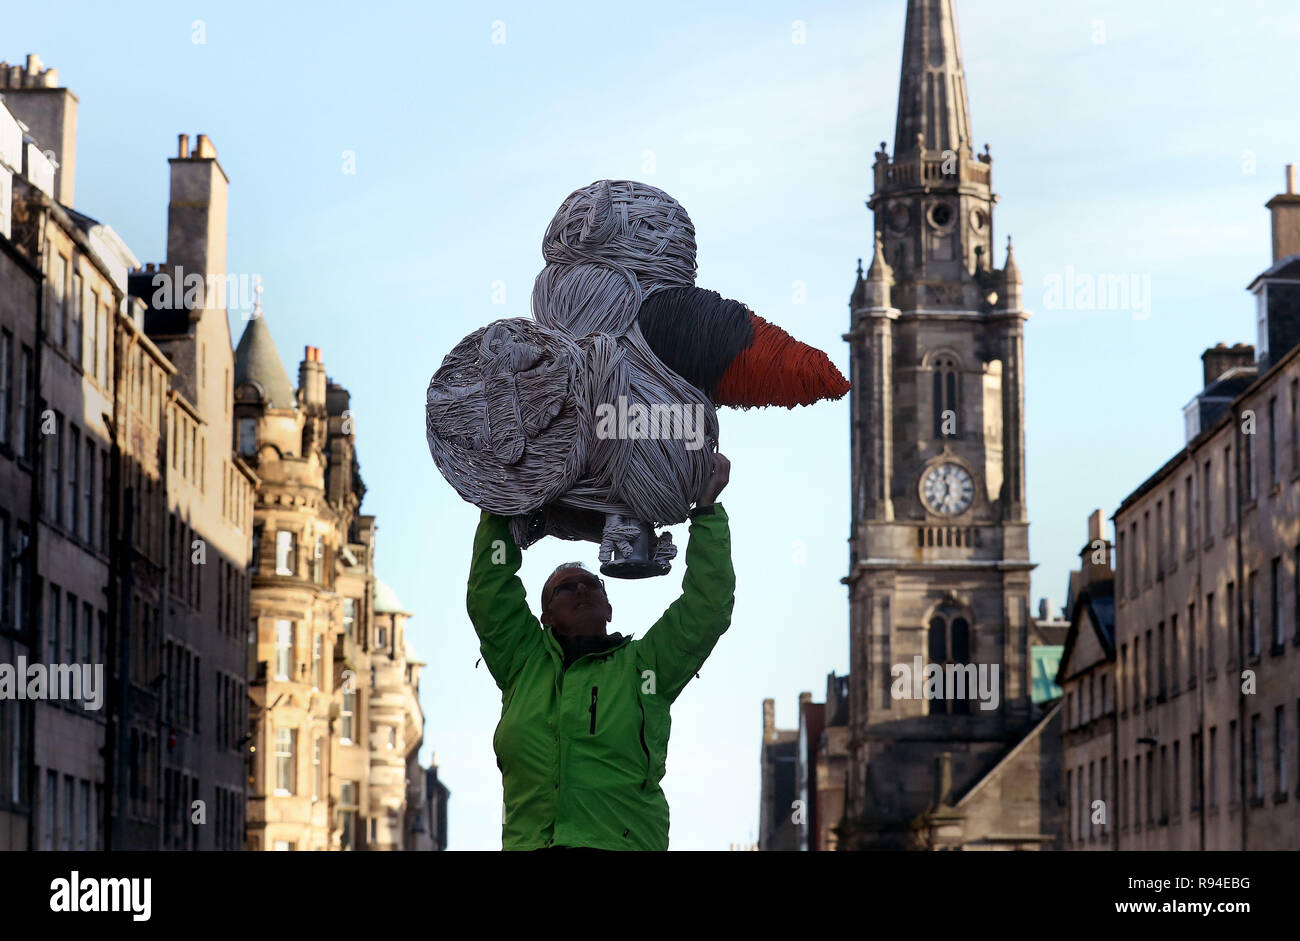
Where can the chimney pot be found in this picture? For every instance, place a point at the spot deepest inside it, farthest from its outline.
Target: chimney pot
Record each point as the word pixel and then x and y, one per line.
pixel 1290 180
pixel 183 150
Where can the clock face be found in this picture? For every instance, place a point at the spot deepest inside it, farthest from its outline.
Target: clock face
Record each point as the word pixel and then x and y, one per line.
pixel 947 489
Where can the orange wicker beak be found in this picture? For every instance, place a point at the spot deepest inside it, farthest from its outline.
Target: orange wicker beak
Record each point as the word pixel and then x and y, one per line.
pixel 776 369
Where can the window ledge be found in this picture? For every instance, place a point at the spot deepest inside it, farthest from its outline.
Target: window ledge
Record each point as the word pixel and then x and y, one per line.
pixel 1277 650
pixel 1280 797
pixel 1257 802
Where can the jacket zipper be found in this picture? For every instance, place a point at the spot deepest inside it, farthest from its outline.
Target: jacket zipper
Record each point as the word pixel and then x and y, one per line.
pixel 644 747
pixel 593 710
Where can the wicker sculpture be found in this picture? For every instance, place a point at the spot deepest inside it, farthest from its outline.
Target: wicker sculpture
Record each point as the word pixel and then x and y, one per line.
pixel 517 416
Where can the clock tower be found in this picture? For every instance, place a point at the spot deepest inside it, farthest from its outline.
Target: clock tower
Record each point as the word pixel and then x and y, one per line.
pixel 939 562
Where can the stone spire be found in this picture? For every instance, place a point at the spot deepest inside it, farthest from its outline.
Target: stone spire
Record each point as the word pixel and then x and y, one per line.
pixel 1011 281
pixel 859 298
pixel 932 106
pixel 1011 271
pixel 880 278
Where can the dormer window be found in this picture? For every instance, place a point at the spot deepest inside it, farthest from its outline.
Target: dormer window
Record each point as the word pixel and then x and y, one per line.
pixel 1261 323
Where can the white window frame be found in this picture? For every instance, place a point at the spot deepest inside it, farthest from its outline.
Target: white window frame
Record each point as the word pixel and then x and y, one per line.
pixel 284 649
pixel 285 762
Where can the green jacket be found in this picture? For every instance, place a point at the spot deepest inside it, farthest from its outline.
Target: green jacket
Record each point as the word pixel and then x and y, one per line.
pixel 582 751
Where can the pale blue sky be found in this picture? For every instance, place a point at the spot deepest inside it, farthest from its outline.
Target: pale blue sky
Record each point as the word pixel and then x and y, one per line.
pixel 1127 156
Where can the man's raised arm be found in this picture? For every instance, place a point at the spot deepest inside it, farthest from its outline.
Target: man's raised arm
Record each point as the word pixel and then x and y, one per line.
pixel 497 603
pixel 682 639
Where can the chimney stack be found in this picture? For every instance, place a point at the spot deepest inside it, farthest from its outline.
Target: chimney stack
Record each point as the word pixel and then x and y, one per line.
pixel 1093 571
pixel 1218 359
pixel 33 94
pixel 1285 208
pixel 196 214
pixel 311 378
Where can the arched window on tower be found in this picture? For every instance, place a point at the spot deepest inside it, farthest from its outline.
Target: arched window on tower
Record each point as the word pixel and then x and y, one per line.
pixel 949 642
pixel 946 398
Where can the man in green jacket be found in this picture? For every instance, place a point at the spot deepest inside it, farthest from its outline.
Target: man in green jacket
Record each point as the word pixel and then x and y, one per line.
pixel 583 737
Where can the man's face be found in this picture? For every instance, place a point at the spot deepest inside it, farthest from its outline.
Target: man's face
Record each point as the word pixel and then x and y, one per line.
pixel 577 603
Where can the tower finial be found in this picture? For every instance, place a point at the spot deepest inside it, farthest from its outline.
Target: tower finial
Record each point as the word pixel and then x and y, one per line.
pixel 879 270
pixel 257 295
pixel 1011 271
pixel 874 292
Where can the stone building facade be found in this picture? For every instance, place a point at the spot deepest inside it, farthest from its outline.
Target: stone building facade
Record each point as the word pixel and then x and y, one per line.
pixel 337 725
pixel 127 530
pixel 112 411
pixel 1087 678
pixel 804 773
pixel 1207 599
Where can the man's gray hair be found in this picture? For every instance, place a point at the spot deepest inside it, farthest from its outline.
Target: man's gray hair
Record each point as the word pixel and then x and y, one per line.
pixel 546 592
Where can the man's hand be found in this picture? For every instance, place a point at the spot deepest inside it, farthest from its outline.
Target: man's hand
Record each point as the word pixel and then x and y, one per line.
pixel 715 483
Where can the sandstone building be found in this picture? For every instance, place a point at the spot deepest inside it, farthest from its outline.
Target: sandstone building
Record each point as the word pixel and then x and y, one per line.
pixel 109 419
pixel 337 725
pixel 1202 718
pixel 127 532
pixel 1087 677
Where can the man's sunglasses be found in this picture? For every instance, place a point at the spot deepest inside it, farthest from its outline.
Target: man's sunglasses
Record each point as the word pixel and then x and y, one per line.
pixel 592 583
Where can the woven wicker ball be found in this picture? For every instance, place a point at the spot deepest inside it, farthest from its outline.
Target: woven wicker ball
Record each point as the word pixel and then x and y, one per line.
pixel 507 416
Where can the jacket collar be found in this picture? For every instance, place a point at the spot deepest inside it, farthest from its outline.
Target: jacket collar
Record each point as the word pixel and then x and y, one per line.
pixel 553 645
